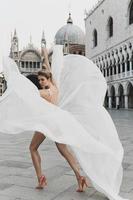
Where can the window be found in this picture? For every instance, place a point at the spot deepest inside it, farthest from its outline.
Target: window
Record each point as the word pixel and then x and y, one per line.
pixel 38 64
pixel 110 27
pixel 30 64
pixel 95 40
pixel 131 13
pixel 22 64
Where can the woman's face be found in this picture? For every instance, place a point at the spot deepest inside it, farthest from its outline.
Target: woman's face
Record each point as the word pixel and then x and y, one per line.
pixel 43 81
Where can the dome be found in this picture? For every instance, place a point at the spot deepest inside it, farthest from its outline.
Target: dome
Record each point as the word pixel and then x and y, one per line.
pixel 71 33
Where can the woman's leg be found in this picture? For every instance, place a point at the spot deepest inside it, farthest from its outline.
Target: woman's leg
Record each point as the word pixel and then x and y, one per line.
pixel 37 139
pixel 73 164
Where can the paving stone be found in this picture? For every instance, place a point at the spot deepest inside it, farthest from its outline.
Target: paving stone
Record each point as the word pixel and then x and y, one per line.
pixel 4 186
pixel 18 178
pixel 16 164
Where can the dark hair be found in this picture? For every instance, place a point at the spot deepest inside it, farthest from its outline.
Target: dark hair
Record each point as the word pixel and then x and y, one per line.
pixel 34 79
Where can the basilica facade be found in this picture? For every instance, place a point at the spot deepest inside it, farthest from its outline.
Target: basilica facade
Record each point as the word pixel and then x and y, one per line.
pixel 109 43
pixel 29 59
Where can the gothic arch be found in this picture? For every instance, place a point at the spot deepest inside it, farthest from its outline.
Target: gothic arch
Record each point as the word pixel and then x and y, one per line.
pixel 127 87
pixel 121 95
pixel 106 100
pixel 33 51
pixel 113 94
pixel 130 95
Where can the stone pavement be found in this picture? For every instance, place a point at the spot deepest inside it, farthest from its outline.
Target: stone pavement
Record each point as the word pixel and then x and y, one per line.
pixel 17 176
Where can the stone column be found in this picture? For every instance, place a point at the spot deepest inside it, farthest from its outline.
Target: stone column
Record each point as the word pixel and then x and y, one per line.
pixel 113 70
pixel 117 102
pixel 110 102
pixel 32 67
pixel 109 71
pixel 35 67
pixel 120 68
pixel 126 101
pixel 28 69
pixel 105 72
pixel 24 66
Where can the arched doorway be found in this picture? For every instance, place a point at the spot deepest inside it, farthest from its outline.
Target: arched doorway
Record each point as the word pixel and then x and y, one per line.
pixel 113 97
pixel 121 95
pixel 130 95
pixel 106 100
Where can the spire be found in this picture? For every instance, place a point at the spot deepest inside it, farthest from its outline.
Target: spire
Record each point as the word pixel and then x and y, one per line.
pixel 15 33
pixel 43 40
pixel 30 39
pixel 43 35
pixel 30 45
pixel 69 21
pixel 14 50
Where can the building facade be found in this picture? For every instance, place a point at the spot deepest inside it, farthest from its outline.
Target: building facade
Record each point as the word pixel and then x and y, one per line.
pixel 109 43
pixel 2 84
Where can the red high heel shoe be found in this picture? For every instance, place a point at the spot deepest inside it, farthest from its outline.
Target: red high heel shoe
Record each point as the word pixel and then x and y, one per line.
pixel 42 182
pixel 83 184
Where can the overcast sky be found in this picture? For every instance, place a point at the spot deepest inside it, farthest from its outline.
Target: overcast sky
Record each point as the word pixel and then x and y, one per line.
pixel 34 16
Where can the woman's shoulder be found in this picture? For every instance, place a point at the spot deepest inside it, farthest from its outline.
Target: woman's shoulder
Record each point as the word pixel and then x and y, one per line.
pixel 41 92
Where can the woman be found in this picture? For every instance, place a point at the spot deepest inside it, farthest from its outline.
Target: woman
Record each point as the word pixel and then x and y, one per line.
pixel 79 120
pixel 49 92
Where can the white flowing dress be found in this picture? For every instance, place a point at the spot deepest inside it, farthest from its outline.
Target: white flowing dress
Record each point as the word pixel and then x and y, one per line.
pixel 79 120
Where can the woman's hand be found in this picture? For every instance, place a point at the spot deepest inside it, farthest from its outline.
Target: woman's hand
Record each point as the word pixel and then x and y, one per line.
pixel 46 60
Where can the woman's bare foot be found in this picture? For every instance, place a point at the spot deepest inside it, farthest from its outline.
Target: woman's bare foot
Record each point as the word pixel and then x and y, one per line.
pixel 42 182
pixel 82 182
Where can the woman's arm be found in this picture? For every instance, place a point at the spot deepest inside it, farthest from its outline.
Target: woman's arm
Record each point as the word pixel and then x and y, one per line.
pixel 46 60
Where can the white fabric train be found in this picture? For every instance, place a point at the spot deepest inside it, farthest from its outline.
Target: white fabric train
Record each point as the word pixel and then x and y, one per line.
pixel 79 120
